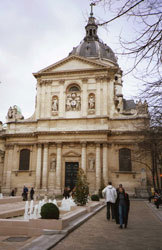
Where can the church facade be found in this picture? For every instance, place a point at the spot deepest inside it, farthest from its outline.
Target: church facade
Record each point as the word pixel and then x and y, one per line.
pixel 81 120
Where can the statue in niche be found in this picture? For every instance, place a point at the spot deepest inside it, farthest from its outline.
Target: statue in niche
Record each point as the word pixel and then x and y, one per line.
pixel 91 164
pixel 55 104
pixel 91 102
pixel 53 164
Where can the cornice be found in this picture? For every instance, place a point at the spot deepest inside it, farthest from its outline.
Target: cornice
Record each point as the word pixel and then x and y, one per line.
pixel 74 72
pixel 126 132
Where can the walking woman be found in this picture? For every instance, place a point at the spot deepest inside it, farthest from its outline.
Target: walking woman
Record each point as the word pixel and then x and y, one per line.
pixel 123 205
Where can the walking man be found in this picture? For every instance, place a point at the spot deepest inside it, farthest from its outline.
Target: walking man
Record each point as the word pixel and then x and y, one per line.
pixel 110 195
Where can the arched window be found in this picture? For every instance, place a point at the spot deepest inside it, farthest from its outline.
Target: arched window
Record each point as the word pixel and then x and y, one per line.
pixel 24 159
pixel 74 88
pixel 125 159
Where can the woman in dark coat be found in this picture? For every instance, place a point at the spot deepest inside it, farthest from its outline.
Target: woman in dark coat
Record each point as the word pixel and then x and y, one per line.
pixel 31 193
pixel 122 208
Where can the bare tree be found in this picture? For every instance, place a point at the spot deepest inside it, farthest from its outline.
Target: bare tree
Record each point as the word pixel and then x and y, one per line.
pixel 150 145
pixel 145 48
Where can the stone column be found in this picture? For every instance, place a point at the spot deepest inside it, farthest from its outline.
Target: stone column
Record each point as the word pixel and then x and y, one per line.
pixel 105 167
pixel 98 167
pixel 84 157
pixel 38 167
pixel 45 167
pixel 58 168
pixel 9 168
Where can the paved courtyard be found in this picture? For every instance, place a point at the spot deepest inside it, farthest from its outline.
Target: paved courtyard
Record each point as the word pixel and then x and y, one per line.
pixel 144 232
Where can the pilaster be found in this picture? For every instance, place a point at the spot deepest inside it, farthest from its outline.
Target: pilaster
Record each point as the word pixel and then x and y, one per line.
pixel 84 157
pixel 105 166
pixel 45 167
pixel 84 97
pixel 58 168
pixel 38 168
pixel 98 167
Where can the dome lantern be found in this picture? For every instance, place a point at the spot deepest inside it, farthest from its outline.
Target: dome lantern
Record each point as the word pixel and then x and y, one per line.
pixel 91 46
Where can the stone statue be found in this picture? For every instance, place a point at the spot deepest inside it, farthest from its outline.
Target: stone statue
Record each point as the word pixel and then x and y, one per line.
pixel 14 113
pixel 91 102
pixel 55 104
pixel 91 164
pixel 53 164
pixel 142 108
pixel 10 113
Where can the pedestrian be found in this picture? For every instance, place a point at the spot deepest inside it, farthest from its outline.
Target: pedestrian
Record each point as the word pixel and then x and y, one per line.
pixel 31 193
pixel 13 192
pixel 123 205
pixel 157 199
pixel 66 193
pixel 110 195
pixel 25 193
pixel 116 205
pixel 120 186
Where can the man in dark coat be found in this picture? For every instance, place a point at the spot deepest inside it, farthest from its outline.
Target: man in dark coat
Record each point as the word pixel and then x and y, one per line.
pixel 25 193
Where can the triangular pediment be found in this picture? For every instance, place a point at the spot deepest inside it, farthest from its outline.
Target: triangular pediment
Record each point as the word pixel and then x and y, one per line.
pixel 73 63
pixel 71 154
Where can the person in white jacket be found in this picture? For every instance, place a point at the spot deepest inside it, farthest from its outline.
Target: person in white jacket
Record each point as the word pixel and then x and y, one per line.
pixel 110 195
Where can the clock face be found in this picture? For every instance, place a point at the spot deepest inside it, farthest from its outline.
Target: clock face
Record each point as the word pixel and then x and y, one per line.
pixel 73 103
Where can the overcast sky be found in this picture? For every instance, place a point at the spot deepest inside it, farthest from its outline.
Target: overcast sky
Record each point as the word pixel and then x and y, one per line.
pixel 37 33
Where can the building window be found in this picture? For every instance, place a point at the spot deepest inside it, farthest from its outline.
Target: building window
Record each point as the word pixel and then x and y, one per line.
pixel 24 159
pixel 125 159
pixel 74 89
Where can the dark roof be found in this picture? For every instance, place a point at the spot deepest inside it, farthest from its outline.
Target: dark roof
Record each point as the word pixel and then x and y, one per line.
pixel 94 49
pixel 91 45
pixel 129 104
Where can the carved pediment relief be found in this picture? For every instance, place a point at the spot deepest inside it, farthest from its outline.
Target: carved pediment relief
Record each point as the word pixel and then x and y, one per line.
pixel 71 154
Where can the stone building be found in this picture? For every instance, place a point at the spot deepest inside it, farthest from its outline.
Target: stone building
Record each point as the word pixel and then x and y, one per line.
pixel 81 120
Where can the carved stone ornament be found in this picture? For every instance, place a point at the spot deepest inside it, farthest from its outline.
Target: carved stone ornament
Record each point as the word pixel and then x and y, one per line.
pixel 73 102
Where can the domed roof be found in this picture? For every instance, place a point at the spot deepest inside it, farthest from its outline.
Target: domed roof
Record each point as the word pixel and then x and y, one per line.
pixel 91 46
pixel 94 49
